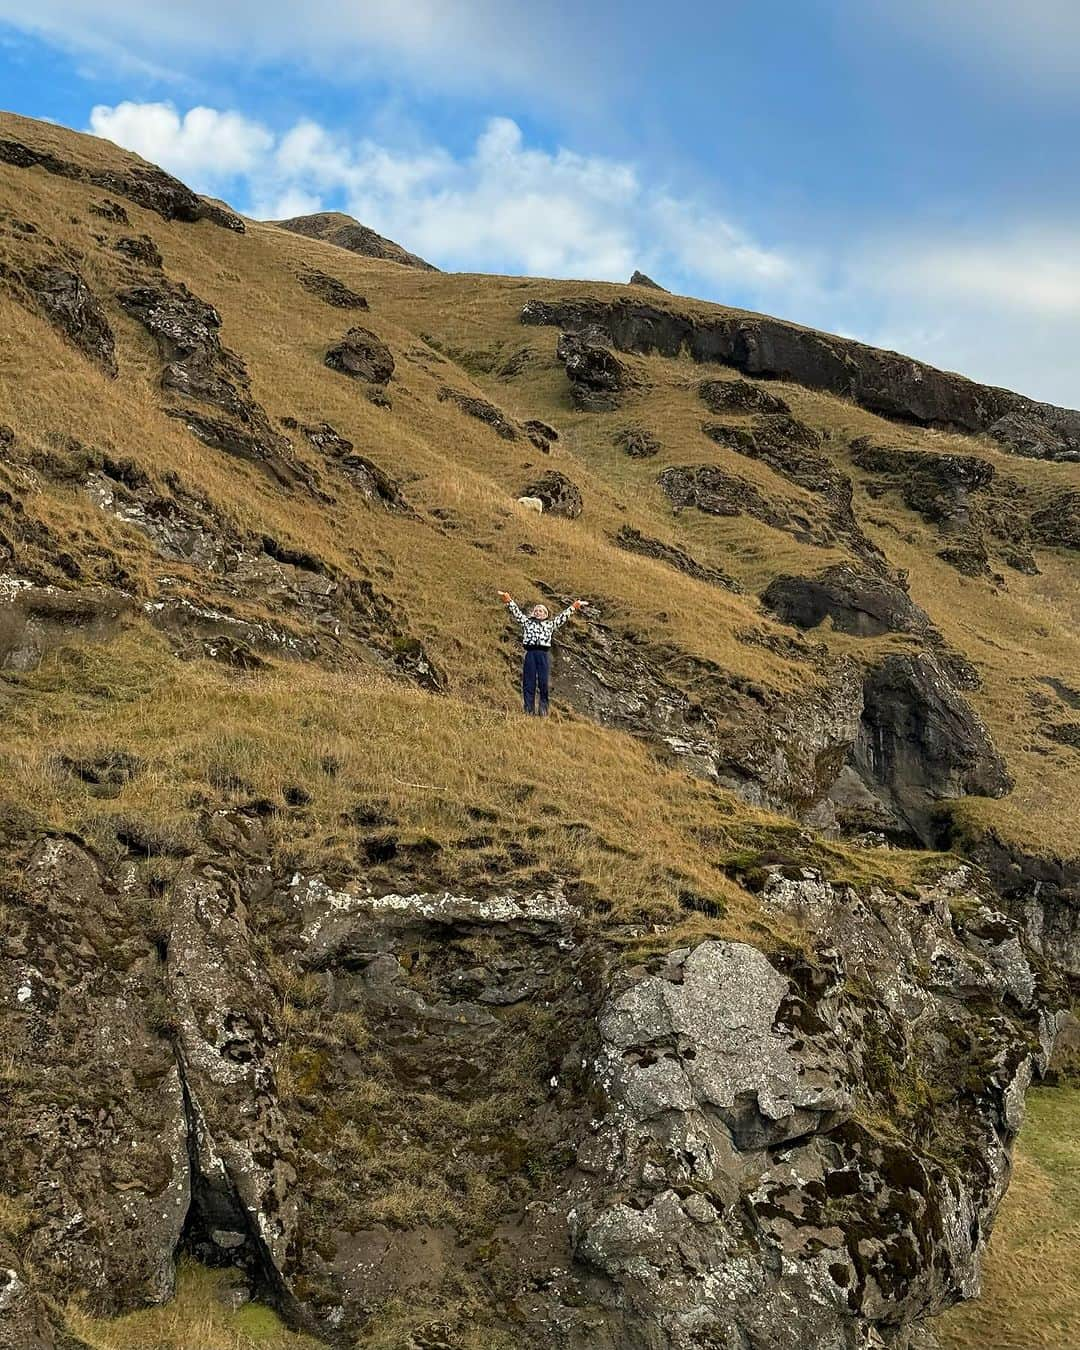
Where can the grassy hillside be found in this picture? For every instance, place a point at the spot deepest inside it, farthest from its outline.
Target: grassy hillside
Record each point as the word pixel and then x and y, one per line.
pixel 373 722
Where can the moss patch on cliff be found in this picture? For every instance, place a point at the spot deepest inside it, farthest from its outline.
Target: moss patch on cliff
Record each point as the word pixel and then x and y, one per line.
pixel 1031 1276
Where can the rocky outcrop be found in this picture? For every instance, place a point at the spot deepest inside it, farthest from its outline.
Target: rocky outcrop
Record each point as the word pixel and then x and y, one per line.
pixel 362 355
pixel 640 279
pixel 598 379
pixel 330 290
pixel 559 495
pixel 483 411
pixel 713 491
pixel 140 249
pixel 885 382
pixel 735 1192
pixel 374 483
pixel 922 742
pixel 635 542
pixel 740 396
pixel 144 184
pixel 333 227
pixel 64 298
pixel 35 619
pixel 199 369
pixel 856 602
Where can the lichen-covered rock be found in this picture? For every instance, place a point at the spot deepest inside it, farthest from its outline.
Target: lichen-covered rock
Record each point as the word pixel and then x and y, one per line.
pixel 735 1192
pixel 140 249
pixel 721 396
pixel 363 355
pixel 96 1151
pixel 34 619
pixel 637 442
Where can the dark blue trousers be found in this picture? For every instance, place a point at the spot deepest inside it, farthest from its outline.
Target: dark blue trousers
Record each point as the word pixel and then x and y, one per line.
pixel 534 678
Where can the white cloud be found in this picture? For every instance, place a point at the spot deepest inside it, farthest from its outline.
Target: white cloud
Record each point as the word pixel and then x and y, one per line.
pixel 203 144
pixel 503 206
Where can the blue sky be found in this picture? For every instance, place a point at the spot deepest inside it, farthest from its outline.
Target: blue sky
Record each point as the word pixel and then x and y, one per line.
pixel 904 171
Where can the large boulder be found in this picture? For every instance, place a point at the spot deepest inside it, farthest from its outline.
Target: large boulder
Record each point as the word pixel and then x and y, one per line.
pixel 597 377
pixel 857 602
pixel 722 396
pixel 560 496
pixel 362 355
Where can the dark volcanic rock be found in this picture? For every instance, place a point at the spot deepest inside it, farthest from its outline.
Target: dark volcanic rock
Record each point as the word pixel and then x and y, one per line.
pixel 922 742
pixel 482 410
pixel 637 442
pixel 71 306
pixel 559 495
pixel 640 279
pixel 883 381
pixel 635 542
pixel 363 356
pixel 722 396
pixel 597 377
pixel 330 289
pixel 200 369
pixel 143 184
pixel 856 602
pixel 374 483
pixel 140 249
pixel 335 228
pixel 1058 523
pixel 35 619
pixel 540 433
pixel 939 487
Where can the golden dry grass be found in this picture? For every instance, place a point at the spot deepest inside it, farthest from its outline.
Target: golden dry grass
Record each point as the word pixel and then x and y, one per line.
pixel 1031 1277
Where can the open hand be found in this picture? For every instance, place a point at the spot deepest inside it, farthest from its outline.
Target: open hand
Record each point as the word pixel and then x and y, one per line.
pixel 505 597
pixel 580 604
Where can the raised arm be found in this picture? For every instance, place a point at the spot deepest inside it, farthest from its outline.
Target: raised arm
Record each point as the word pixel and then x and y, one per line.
pixel 511 605
pixel 573 608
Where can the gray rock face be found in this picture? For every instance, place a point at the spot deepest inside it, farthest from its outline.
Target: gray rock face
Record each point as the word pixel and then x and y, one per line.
pixel 722 1147
pixel 731 1194
pixel 34 619
pixel 923 742
pixel 71 306
pixel 560 496
pixel 200 370
pixel 883 381
pixel 640 279
pixel 856 602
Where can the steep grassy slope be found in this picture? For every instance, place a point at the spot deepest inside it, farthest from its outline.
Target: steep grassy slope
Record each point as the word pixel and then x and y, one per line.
pixel 278 598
